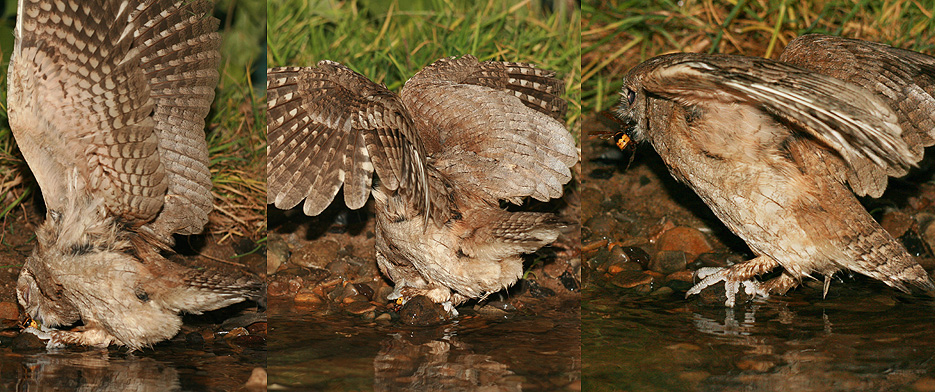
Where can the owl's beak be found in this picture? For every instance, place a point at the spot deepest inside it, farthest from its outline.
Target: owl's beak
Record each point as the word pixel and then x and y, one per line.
pixel 622 140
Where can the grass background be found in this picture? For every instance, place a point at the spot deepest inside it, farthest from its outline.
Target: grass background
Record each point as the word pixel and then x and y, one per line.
pixel 389 41
pixel 619 34
pixel 236 127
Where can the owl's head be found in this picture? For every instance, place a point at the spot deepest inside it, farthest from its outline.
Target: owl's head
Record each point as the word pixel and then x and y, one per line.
pixel 67 245
pixel 637 106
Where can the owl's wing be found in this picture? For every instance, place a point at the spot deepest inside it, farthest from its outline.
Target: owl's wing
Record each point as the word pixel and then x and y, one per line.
pixel 904 80
pixel 849 119
pixel 329 126
pixel 180 55
pixel 96 90
pixel 493 126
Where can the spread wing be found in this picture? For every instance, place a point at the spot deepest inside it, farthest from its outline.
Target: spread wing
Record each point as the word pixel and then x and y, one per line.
pixel 493 126
pixel 329 126
pixel 117 93
pixel 902 79
pixel 849 119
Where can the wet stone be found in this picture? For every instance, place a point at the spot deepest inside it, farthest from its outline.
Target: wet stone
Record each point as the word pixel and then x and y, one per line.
pixel 9 311
pixel 618 268
pixel 316 255
pixel 630 279
pixel 569 281
pixel 307 298
pixel 364 289
pixel 685 239
pixel 536 290
pixel 618 256
pixel 421 311
pixel 638 255
pixel 602 226
pixel 896 222
pixel 277 252
pixel 662 292
pixel 711 259
pixel 194 339
pixel 360 307
pixel 668 261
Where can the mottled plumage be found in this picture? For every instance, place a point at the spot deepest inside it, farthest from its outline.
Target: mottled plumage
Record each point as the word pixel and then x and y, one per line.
pixel 460 136
pixel 777 149
pixel 107 101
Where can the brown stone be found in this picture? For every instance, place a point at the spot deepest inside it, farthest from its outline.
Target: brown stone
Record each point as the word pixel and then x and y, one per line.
pixel 629 279
pixel 683 275
pixel 308 298
pixel 9 311
pixel 685 239
pixel 896 223
pixel 668 261
pixel 360 307
pixel 317 254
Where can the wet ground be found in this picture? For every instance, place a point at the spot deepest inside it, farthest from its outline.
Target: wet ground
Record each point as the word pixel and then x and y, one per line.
pixel 643 234
pixel 216 351
pixel 333 328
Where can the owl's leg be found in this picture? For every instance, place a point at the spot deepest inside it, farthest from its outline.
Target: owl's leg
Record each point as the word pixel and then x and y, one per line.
pixel 780 284
pixel 735 277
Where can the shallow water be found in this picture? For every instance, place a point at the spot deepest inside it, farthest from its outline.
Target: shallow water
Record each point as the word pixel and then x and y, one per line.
pixel 518 351
pixel 863 336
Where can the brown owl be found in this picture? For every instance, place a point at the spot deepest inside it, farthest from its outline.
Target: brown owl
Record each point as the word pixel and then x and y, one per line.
pixel 778 149
pixel 107 101
pixel 460 137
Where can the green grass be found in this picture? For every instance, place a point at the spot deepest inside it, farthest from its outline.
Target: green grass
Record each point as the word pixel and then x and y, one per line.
pixel 236 130
pixel 618 34
pixel 391 41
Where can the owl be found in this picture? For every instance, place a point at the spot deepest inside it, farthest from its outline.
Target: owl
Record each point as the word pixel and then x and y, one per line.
pixel 778 150
pixel 106 102
pixel 461 136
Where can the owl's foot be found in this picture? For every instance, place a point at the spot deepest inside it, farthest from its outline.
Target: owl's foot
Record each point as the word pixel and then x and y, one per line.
pixel 735 277
pixel 439 295
pixel 58 339
pixel 712 275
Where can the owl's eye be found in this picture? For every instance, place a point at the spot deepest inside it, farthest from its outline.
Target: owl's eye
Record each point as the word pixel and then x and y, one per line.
pixel 631 96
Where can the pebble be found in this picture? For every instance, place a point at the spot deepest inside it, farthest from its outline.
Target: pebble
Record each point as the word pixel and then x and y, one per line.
pixel 308 298
pixel 685 239
pixel 602 226
pixel 316 254
pixel 276 253
pixel 896 223
pixel 421 311
pixel 9 311
pixel 384 317
pixel 668 261
pixel 360 307
pixel 682 276
pixel 614 269
pixel 662 291
pixel 630 279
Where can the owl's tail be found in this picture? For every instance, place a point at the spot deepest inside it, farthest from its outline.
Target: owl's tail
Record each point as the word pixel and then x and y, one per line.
pixel 880 256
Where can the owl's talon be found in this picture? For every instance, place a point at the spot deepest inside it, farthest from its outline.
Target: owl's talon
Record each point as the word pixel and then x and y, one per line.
pixel 712 275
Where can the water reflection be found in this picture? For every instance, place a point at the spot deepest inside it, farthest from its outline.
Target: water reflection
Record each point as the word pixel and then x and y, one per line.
pixel 96 371
pixel 862 337
pixel 343 352
pixel 447 364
